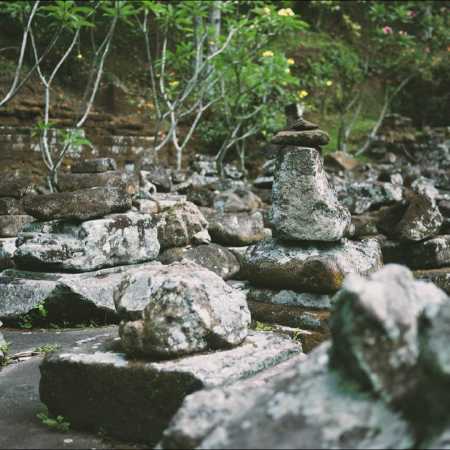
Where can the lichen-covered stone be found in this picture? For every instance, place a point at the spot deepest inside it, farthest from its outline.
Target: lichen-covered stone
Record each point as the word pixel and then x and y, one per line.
pixel 305 406
pixel 375 330
pixel 214 257
pixel 79 205
pixel 422 218
pixel 15 185
pixel 7 249
pixel 66 246
pixel 307 138
pixel 237 200
pixel 309 267
pixel 191 311
pixel 134 399
pixel 362 196
pixel 235 229
pixel 112 178
pixel 11 226
pixel 73 298
pixel 179 224
pixel 304 206
pixel 97 165
pixel 440 277
pixel 11 206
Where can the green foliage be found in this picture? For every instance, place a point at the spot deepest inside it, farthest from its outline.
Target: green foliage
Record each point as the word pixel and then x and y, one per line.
pixel 58 423
pixel 47 348
pixel 260 326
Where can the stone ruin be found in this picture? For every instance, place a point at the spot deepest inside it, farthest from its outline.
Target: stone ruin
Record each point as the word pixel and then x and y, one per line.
pixel 185 271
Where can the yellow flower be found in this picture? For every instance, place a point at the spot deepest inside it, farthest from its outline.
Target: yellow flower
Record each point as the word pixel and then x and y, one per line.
pixel 267 54
pixel 291 61
pixel 328 83
pixel 79 56
pixel 174 83
pixel 302 93
pixel 286 12
pixel 266 11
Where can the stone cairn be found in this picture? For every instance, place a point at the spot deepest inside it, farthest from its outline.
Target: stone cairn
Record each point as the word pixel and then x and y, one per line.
pixel 12 218
pixel 294 273
pixel 76 246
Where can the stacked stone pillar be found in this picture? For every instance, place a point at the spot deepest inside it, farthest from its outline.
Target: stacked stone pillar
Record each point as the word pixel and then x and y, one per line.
pixel 294 273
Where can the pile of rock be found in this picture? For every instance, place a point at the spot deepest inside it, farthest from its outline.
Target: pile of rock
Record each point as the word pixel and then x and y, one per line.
pixel 60 257
pixel 189 332
pixel 12 214
pixel 387 363
pixel 293 274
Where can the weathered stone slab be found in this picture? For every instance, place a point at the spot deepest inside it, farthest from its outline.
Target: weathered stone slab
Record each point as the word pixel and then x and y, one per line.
pixel 73 298
pixel 193 310
pixel 306 138
pixel 98 165
pixel 145 395
pixel 309 267
pixel 305 406
pixel 111 241
pixel 304 206
pixel 79 205
pixel 214 257
pixel 290 316
pixel 440 277
pixel 76 181
pixel 7 249
pixel 11 206
pixel 10 226
pixel 12 185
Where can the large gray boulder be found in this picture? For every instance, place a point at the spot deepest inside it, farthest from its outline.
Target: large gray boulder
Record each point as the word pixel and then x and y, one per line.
pixel 192 311
pixel 79 205
pixel 375 330
pixel 11 226
pixel 144 394
pixel 235 229
pixel 72 298
pixel 306 406
pixel 65 246
pixel 181 225
pixel 7 249
pixel 304 206
pixel 214 257
pixel 309 267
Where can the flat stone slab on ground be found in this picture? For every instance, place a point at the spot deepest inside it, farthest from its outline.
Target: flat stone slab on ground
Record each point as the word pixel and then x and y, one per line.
pixel 318 267
pixel 135 399
pixel 19 396
pixel 114 240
